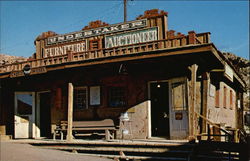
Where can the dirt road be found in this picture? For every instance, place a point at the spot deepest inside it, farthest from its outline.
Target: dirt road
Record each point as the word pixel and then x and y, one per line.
pixel 10 151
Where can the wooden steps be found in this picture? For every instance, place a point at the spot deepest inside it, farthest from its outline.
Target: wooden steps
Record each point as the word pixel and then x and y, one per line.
pixel 127 150
pixel 217 151
pixel 137 158
pixel 143 150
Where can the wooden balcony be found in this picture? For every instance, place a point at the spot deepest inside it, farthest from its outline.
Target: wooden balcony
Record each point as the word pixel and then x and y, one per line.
pixel 174 41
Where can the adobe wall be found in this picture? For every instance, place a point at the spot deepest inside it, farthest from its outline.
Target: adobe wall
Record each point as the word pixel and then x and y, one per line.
pixel 138 125
pixel 222 114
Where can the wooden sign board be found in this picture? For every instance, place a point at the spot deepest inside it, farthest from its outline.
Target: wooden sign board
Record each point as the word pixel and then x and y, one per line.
pixel 229 73
pixel 33 71
pixel 133 37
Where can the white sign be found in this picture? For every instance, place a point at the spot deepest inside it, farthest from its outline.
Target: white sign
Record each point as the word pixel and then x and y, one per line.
pixel 95 95
pixel 62 50
pixel 229 73
pixel 134 37
pixel 212 90
pixel 238 104
pixel 97 31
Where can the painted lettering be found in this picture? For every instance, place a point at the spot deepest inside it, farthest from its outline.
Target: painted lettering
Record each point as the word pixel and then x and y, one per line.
pixel 98 31
pixel 61 50
pixel 134 37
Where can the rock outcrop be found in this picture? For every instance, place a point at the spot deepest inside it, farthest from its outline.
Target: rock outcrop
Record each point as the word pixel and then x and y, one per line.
pixel 7 59
pixel 241 65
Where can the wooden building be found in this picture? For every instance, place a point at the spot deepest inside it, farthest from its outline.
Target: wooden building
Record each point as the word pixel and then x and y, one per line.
pixel 170 85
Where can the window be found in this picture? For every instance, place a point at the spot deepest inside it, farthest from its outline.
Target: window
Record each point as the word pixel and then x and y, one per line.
pixel 225 97
pixel 80 98
pixel 231 100
pixel 217 98
pixel 117 97
pixel 179 96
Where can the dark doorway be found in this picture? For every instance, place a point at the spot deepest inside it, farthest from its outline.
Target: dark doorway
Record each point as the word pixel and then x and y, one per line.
pixel 159 95
pixel 45 118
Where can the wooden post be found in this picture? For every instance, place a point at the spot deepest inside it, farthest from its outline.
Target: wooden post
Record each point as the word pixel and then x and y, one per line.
pixel 192 118
pixel 70 112
pixel 208 132
pixel 205 84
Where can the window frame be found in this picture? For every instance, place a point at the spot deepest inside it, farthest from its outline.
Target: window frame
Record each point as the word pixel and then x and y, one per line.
pixel 225 96
pixel 86 97
pixel 217 98
pixel 124 96
pixel 232 98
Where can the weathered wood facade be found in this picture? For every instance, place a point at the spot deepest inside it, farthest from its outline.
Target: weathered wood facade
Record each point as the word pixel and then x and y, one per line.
pixel 167 83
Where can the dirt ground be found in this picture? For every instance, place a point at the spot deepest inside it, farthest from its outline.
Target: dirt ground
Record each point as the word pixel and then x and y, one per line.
pixel 10 151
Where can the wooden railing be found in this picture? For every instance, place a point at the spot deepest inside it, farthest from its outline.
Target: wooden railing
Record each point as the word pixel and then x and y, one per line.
pixel 230 137
pixel 110 52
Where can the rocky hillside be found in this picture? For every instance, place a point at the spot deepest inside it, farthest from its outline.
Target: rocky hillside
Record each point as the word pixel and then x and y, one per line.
pixel 242 65
pixel 6 59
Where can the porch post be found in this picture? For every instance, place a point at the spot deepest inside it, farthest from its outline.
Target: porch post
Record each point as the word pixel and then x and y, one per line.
pixel 70 112
pixel 192 118
pixel 205 84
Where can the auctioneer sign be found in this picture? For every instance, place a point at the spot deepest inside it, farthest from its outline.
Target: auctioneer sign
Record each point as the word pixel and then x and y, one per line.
pixel 134 37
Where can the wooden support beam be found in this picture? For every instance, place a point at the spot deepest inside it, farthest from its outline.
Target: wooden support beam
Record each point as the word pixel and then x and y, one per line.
pixel 192 118
pixel 70 112
pixel 205 85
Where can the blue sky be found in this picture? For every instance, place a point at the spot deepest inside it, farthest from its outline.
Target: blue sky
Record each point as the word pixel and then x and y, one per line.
pixel 22 21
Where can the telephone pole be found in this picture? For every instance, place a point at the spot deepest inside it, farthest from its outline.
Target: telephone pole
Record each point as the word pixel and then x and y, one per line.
pixel 125 10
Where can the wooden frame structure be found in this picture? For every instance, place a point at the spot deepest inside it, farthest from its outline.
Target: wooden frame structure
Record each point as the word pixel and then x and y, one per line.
pixel 171 56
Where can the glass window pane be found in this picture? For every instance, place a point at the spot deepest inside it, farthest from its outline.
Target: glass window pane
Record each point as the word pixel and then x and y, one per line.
pixel 117 97
pixel 80 98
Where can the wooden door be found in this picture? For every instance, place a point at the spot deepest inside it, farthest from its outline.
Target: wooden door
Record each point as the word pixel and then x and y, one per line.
pixel 159 96
pixel 45 114
pixel 178 110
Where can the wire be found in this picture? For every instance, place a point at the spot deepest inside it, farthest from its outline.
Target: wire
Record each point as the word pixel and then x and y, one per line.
pixel 110 11
pixel 115 13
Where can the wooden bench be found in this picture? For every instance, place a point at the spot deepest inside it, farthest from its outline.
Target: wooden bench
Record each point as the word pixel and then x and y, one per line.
pixel 79 128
